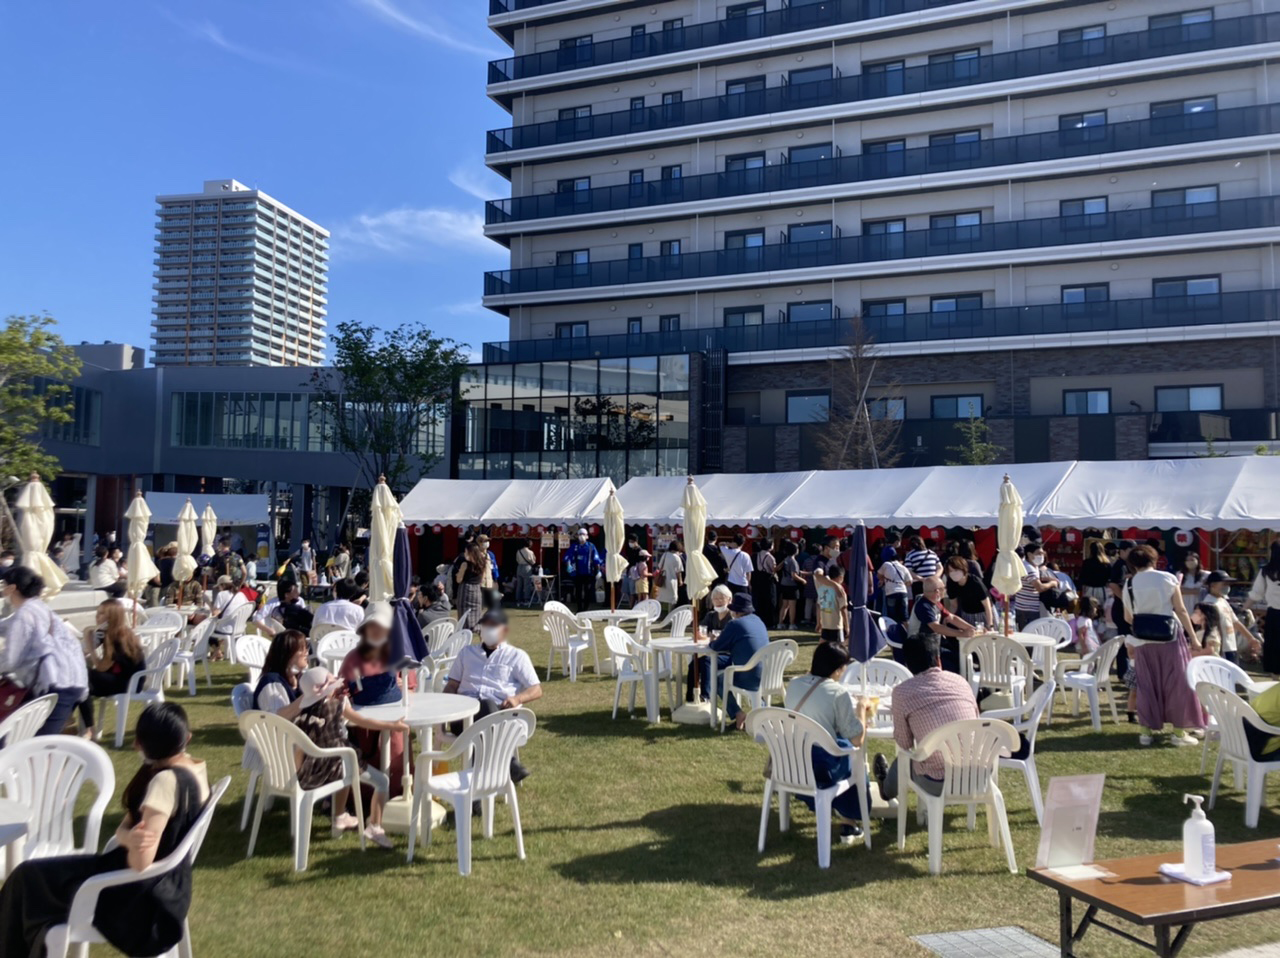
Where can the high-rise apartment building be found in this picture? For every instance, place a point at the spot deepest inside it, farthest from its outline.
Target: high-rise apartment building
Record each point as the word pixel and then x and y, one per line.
pixel 240 280
pixel 1057 216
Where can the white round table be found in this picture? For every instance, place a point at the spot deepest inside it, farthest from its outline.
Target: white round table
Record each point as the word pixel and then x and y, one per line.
pixel 678 649
pixel 14 819
pixel 617 616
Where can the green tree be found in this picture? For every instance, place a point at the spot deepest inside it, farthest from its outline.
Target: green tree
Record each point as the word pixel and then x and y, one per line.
pixel 36 368
pixel 975 447
pixel 386 395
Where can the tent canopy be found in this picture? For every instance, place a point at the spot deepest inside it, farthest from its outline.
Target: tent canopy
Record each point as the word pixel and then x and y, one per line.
pixel 232 510
pixel 462 502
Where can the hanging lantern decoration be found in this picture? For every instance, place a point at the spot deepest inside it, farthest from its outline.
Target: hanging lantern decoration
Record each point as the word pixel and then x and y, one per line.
pixel 794 535
pixel 1183 538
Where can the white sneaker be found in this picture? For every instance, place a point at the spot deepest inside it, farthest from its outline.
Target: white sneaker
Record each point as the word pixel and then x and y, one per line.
pixel 375 834
pixel 1182 739
pixel 345 823
pixel 1144 739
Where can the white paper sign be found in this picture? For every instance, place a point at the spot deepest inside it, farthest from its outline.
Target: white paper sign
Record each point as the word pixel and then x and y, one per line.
pixel 1071 810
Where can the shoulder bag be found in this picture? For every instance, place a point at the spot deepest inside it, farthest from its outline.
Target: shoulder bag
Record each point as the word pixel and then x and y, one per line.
pixel 1150 626
pixel 768 762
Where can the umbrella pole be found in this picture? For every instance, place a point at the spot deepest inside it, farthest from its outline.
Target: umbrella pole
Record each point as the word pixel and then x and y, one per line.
pixel 613 605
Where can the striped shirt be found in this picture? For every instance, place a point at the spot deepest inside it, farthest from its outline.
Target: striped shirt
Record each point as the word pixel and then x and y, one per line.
pixel 1027 598
pixel 924 563
pixel 928 701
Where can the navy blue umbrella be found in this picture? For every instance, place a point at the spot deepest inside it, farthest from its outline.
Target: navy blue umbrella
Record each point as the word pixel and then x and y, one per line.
pixel 865 637
pixel 407 641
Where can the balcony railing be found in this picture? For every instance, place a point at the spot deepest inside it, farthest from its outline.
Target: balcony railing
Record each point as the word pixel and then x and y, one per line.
pixel 1256 306
pixel 1240 425
pixel 1241 214
pixel 803 16
pixel 918 161
pixel 1014 65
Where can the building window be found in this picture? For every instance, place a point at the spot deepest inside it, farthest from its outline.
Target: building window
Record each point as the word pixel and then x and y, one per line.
pixel 1083 127
pixel 575 112
pixel 887 408
pixel 1188 398
pixel 957 407
pixel 815 311
pixel 808 75
pixel 810 153
pixel 635 251
pixel 809 232
pixel 959 64
pixel 673 98
pixel 886 78
pixel 883 227
pixel 878 308
pixel 1080 298
pixel 1179 27
pixel 744 10
pixel 1196 113
pixel 675 24
pixel 808 406
pixel 743 85
pixel 574 50
pixel 1089 206
pixel 636 177
pixel 1095 33
pixel 886 66
pixel 637 104
pixel 673 172
pixel 669 248
pixel 577 258
pixel 959 226
pixel 743 239
pixel 948 311
pixel 1086 402
pixel 961 142
pixel 1191 201
pixel 669 324
pixel 1185 287
pixel 576 184
pixel 571 330
pixel 874 147
pixel 744 316
pixel 635 326
pixel 743 161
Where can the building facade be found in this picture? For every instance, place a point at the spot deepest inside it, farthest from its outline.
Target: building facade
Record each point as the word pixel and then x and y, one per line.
pixel 240 280
pixel 1055 216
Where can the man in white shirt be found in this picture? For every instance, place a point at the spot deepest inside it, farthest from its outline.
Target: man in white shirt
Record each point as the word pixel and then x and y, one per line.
pixel 739 565
pixel 287 593
pixel 343 611
pixel 499 675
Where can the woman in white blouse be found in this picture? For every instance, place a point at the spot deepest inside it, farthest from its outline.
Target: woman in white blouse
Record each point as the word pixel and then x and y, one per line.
pixel 102 570
pixel 39 651
pixel 1266 594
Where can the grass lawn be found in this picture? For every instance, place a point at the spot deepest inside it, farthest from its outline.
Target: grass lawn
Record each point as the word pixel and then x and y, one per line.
pixel 642 840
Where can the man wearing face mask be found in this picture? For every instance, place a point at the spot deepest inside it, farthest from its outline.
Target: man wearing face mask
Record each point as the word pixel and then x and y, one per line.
pixel 581 562
pixel 498 674
pixel 6 559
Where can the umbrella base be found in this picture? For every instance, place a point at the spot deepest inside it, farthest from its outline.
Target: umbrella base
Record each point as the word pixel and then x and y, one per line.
pixel 395 815
pixel 692 713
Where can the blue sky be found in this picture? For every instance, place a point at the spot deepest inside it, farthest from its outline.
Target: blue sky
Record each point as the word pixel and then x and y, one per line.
pixel 368 116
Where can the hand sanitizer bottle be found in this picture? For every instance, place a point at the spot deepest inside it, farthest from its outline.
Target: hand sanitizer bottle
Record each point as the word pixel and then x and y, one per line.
pixel 1198 855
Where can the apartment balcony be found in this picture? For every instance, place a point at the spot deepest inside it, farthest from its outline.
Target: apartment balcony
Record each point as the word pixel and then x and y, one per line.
pixel 1058 231
pixel 1255 306
pixel 919 161
pixel 1011 66
pixel 792 19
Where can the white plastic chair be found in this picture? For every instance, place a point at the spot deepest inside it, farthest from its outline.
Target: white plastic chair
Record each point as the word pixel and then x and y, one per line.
pixel 79 929
pixel 567 644
pixel 671 618
pixel 652 608
pixel 486 750
pixel 251 652
pixel 971 750
pixel 230 629
pixel 241 702
pixel 1232 713
pixel 680 621
pixel 26 720
pixel 166 619
pixel 320 629
pixel 790 738
pixel 195 651
pixel 630 664
pixel 1026 721
pixel 333 648
pixel 276 741
pixel 1092 676
pixel 47 775
pixel 1225 675
pixel 1054 628
pixel 884 673
pixel 437 632
pixel 1003 665
pixel 145 686
pixel 772 660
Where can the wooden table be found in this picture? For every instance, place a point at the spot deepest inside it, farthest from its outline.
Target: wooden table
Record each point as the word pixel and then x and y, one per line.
pixel 1136 891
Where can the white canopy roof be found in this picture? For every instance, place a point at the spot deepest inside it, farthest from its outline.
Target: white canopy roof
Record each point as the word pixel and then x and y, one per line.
pixel 731 498
pixel 232 510
pixel 463 502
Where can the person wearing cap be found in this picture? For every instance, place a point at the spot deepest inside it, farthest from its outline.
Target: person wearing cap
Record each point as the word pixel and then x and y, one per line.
pixel 342 611
pixel 324 714
pixel 1230 628
pixel 742 637
pixel 581 563
pixel 638 576
pixel 496 673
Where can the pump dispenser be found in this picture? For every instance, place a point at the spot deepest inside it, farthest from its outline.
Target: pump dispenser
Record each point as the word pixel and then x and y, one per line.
pixel 1198 855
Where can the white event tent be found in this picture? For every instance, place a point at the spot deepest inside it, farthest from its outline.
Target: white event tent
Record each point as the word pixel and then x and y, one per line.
pixel 464 502
pixel 231 510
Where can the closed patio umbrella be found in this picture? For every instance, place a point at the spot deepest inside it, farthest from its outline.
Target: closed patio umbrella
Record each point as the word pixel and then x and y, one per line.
pixel 865 637
pixel 614 535
pixel 698 574
pixel 35 529
pixel 140 568
pixel 184 566
pixel 385 519
pixel 1006 574
pixel 208 530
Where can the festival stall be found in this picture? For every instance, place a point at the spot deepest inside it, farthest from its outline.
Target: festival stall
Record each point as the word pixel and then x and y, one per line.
pixel 243 517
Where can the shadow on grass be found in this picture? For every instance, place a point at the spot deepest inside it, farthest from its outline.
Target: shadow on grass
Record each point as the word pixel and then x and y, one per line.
pixel 592 724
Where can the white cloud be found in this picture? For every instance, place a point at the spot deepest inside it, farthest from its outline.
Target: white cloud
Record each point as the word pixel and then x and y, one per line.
pixel 388 12
pixel 472 179
pixel 408 232
pixel 468 308
pixel 210 32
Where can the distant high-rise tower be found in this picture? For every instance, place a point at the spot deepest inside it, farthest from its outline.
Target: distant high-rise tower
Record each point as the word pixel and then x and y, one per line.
pixel 240 280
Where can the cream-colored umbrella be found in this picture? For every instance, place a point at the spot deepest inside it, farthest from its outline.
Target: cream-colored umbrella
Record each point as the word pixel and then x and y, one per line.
pixel 615 563
pixel 35 529
pixel 1007 573
pixel 383 523
pixel 698 574
pixel 184 566
pixel 208 529
pixel 140 568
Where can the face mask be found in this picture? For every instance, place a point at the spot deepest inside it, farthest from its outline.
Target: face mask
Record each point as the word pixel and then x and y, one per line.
pixel 5 563
pixel 490 635
pixel 378 643
pixel 1037 561
pixel 956 576
pixel 720 608
pixel 297 669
